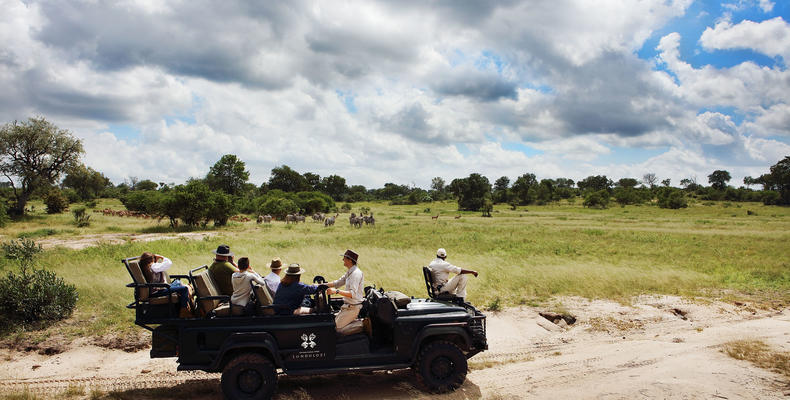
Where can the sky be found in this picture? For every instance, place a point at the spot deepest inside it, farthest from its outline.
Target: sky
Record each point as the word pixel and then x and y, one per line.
pixel 404 91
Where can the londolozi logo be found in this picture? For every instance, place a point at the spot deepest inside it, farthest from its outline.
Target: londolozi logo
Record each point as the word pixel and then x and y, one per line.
pixel 308 341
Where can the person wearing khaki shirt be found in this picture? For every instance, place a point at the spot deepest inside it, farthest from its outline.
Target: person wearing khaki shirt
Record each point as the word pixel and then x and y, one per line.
pixel 346 321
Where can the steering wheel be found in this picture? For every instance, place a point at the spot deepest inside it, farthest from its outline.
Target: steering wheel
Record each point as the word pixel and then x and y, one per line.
pixel 321 299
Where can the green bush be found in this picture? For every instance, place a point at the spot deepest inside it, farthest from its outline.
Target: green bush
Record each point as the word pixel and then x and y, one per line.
pixel 35 295
pixel 598 199
pixel 279 207
pixel 56 202
pixel 23 250
pixel 672 198
pixel 3 212
pixel 72 195
pixel 32 295
pixel 81 217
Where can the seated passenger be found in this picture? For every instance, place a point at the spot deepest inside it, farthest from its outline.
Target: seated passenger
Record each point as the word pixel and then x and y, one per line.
pixel 273 279
pixel 222 269
pixel 242 287
pixel 441 270
pixel 291 292
pixel 154 267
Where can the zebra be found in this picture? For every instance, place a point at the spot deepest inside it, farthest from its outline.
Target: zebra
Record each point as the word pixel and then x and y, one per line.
pixel 329 221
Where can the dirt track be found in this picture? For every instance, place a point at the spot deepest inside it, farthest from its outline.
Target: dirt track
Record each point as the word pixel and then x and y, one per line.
pixel 612 352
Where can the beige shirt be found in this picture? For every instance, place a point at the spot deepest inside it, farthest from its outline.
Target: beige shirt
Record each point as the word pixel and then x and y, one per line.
pixel 242 288
pixel 441 271
pixel 352 279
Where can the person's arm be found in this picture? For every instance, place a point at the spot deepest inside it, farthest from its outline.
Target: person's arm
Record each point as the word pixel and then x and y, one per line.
pixel 161 266
pixel 338 283
pixel 469 271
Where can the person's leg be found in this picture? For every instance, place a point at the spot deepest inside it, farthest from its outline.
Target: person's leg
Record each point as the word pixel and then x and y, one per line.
pixel 348 313
pixel 456 286
pixel 355 326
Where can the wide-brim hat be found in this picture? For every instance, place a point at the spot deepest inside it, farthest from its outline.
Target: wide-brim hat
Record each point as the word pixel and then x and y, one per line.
pixel 223 250
pixel 441 253
pixel 276 263
pixel 351 255
pixel 294 269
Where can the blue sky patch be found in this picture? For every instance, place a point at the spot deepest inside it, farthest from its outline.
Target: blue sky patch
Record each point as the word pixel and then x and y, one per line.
pixel 521 147
pixel 347 97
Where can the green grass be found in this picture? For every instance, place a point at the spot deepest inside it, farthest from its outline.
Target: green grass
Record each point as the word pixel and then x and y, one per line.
pixel 522 256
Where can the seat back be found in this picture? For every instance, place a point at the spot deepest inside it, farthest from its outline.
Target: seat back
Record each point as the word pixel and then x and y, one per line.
pixel 133 266
pixel 262 294
pixel 428 274
pixel 204 287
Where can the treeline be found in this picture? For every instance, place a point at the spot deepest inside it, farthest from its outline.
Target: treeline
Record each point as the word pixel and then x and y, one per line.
pixel 42 161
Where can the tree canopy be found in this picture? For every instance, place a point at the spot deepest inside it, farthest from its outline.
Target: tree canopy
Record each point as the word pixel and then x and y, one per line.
pixel 34 154
pixel 718 179
pixel 228 175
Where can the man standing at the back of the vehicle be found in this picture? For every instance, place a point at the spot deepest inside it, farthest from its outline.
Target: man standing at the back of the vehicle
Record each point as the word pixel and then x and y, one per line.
pixel 441 270
pixel 346 322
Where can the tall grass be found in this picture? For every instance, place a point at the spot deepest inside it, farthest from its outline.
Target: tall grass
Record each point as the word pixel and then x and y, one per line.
pixel 522 254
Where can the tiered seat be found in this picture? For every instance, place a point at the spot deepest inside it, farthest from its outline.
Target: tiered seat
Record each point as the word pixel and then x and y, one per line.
pixel 150 308
pixel 209 301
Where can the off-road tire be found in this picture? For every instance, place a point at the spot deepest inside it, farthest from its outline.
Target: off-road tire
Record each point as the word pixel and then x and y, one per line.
pixel 249 376
pixel 441 367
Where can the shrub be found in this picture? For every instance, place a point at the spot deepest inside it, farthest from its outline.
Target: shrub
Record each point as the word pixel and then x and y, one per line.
pixel 598 199
pixel 56 202
pixel 23 250
pixel 72 195
pixel 81 217
pixel 90 204
pixel 345 208
pixel 672 198
pixel 32 295
pixel 279 207
pixel 35 295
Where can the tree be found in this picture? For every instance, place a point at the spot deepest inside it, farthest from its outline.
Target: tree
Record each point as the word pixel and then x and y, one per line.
pixel 627 183
pixel 334 186
pixel 780 179
pixel 473 191
pixel 437 184
pixel 524 188
pixel 501 191
pixel 146 184
pixel 544 192
pixel 313 181
pixel 595 183
pixel 650 180
pixel 287 180
pixel 666 182
pixel 671 198
pixel 749 181
pixel 597 199
pixel 35 153
pixel 718 179
pixel 87 182
pixel 228 175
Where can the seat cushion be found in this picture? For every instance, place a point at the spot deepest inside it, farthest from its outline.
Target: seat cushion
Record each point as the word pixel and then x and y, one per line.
pixel 262 294
pixel 139 278
pixel 164 299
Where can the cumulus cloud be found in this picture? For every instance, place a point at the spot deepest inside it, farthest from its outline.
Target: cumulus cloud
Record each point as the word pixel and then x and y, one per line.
pixel 770 37
pixel 384 91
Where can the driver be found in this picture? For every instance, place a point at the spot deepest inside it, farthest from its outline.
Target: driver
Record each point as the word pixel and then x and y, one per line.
pixel 291 292
pixel 346 322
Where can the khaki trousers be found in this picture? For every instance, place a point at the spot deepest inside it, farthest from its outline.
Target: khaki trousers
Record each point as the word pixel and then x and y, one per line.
pixel 346 322
pixel 456 286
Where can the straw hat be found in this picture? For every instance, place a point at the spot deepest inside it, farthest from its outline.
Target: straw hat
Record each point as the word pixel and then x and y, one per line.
pixel 294 269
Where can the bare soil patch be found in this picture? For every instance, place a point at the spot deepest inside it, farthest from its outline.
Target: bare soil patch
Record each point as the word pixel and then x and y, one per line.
pixel 612 351
pixel 81 242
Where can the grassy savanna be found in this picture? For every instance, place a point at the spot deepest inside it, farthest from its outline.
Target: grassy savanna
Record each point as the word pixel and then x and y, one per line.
pixel 523 256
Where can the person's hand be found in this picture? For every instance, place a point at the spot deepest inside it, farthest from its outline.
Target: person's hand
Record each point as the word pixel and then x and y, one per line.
pixel 474 273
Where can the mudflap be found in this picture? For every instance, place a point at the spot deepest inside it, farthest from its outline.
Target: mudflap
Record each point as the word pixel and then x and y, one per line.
pixel 164 341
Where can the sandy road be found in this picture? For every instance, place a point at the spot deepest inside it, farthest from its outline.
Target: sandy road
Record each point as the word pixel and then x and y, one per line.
pixel 646 351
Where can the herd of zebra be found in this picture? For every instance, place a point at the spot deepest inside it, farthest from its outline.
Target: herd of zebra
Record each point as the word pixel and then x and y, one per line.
pixel 354 220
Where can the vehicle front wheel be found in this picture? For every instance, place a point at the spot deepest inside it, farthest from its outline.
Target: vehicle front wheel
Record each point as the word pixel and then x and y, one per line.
pixel 249 376
pixel 441 367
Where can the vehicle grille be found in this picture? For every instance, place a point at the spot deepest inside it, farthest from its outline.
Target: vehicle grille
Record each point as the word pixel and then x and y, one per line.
pixel 478 326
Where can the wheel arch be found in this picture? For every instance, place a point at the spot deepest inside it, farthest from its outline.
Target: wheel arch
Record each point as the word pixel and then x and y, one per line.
pixel 455 334
pixel 239 343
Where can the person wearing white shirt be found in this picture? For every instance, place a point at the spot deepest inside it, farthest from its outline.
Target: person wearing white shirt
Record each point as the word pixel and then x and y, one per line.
pixel 154 267
pixel 242 287
pixel 441 270
pixel 273 279
pixel 346 321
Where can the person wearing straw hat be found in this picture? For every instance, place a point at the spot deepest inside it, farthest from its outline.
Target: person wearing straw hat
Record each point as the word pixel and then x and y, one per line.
pixel 222 269
pixel 291 292
pixel 441 270
pixel 346 321
pixel 273 278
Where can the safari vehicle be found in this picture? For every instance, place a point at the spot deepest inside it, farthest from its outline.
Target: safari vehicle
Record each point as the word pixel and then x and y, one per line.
pixel 433 336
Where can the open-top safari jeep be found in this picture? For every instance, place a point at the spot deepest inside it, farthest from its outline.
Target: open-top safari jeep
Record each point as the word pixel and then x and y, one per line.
pixel 434 337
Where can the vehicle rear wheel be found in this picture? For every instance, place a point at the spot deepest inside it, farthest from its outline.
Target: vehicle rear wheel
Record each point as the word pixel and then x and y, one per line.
pixel 441 367
pixel 249 376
